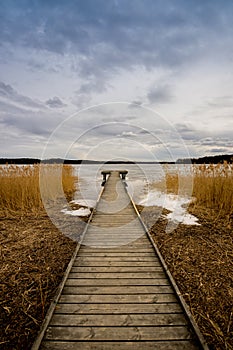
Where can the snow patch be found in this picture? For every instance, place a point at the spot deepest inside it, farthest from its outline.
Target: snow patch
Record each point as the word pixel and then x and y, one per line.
pixel 174 203
pixel 84 202
pixel 85 210
pixel 78 212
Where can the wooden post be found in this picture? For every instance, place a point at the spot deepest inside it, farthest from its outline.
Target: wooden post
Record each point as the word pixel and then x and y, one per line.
pixel 105 173
pixel 123 174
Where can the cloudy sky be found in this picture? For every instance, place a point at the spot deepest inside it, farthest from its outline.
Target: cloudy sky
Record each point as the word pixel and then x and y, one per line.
pixel 131 79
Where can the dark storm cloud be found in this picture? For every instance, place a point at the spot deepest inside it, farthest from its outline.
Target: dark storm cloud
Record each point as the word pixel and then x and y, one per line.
pixel 55 102
pixel 92 41
pixel 218 150
pixel 29 122
pixel 188 132
pixel 26 115
pixel 217 142
pixel 135 104
pixel 105 35
pixel 12 96
pixel 160 94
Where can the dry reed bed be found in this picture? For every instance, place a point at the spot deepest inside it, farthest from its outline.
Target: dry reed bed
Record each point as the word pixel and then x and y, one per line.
pixel 211 185
pixel 33 252
pixel 201 257
pixel 21 186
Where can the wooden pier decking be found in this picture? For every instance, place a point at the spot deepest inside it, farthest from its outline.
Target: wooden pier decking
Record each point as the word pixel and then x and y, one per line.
pixel 117 293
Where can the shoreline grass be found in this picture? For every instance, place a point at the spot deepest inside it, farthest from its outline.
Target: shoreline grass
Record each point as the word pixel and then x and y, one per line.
pixel 211 186
pixel 21 186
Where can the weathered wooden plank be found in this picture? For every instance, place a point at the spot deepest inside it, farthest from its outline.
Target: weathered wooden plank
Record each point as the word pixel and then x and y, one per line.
pixel 117 282
pixel 136 232
pixel 132 258
pixel 134 244
pixel 116 254
pixel 116 242
pixel 118 309
pixel 101 244
pixel 130 221
pixel 116 289
pixel 127 345
pixel 118 333
pixel 117 226
pixel 118 298
pixel 133 227
pixel 133 232
pixel 128 213
pixel 121 240
pixel 113 269
pixel 134 250
pixel 104 243
pixel 124 240
pixel 119 320
pixel 121 275
pixel 119 263
pixel 107 234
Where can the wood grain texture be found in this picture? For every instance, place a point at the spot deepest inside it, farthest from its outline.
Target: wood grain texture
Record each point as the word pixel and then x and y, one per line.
pixel 114 345
pixel 118 333
pixel 117 295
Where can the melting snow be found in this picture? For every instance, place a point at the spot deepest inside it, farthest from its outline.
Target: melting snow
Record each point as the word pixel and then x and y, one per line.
pixel 78 212
pixel 84 202
pixel 174 203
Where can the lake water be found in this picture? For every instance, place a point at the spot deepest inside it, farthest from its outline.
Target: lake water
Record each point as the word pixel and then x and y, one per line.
pixel 139 178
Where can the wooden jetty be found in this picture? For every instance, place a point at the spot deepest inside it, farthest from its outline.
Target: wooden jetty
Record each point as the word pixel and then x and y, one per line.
pixel 117 292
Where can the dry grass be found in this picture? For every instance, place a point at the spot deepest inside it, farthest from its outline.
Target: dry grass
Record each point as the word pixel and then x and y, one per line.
pixel 177 180
pixel 211 185
pixel 200 257
pixel 33 252
pixel 20 187
pixel 33 255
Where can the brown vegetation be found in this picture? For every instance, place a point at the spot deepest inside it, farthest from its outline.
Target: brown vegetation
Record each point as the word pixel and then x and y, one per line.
pixel 20 186
pixel 33 252
pixel 210 185
pixel 200 258
pixel 213 187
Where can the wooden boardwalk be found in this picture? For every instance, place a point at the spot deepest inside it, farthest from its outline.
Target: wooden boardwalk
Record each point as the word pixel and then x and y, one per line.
pixel 117 293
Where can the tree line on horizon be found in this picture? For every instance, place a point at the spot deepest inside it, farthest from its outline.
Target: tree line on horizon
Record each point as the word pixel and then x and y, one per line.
pixel 202 160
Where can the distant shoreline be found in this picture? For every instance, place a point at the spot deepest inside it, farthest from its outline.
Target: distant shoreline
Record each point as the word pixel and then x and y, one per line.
pixel 70 161
pixel 202 160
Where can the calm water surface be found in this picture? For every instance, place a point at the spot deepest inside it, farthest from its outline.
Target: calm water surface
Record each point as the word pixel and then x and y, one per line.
pixel 138 178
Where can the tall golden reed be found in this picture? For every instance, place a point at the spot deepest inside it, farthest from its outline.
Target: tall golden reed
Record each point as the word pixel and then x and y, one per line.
pixel 20 186
pixel 212 185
